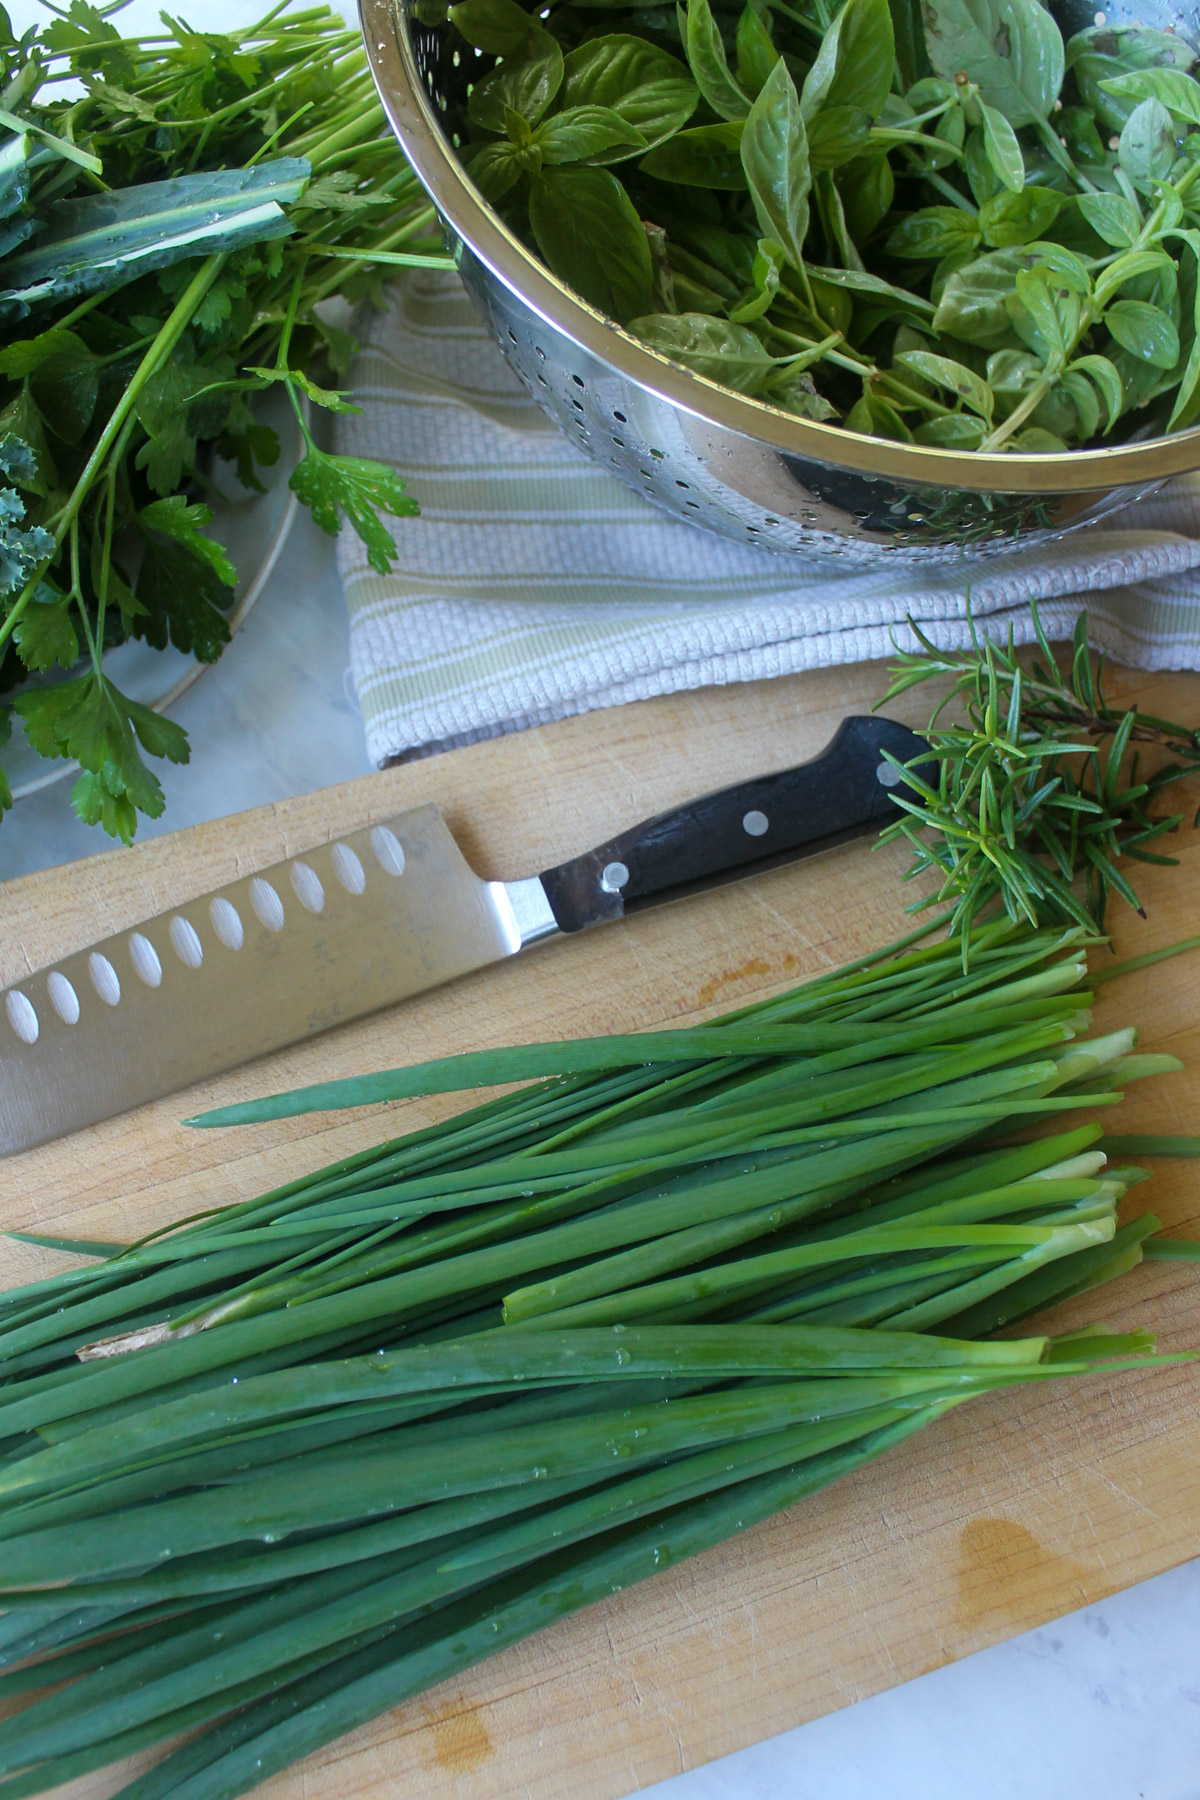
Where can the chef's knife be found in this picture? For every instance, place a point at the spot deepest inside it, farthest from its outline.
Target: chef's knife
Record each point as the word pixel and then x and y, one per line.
pixel 375 917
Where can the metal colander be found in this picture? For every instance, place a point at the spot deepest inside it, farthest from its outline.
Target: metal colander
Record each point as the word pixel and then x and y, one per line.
pixel 701 452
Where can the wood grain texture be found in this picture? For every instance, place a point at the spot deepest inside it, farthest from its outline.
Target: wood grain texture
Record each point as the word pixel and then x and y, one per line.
pixel 1009 1513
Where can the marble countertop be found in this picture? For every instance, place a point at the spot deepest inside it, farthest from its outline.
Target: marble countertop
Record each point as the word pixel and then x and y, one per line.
pixel 1101 1705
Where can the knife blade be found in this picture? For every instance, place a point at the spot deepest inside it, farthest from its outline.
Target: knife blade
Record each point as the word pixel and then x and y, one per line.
pixel 374 917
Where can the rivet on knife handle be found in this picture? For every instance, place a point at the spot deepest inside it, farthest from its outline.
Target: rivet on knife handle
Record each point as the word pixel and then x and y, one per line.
pixel 739 830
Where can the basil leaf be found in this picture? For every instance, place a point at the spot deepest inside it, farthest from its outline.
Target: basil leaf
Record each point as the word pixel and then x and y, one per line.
pixel 710 69
pixel 934 232
pixel 725 251
pixel 861 281
pixel 1045 315
pixel 982 179
pixel 1102 53
pixel 1011 49
pixel 952 376
pixel 586 131
pixel 836 135
pixel 833 221
pixel 708 156
pixel 756 52
pixel 650 89
pixel 955 431
pixel 972 304
pixel 1147 147
pixel 1145 331
pixel 1082 396
pixel 1187 399
pixel 856 61
pixel 768 267
pixel 1036 441
pixel 589 233
pixel 834 304
pixel 775 157
pixel 1111 217
pixel 1104 375
pixel 715 348
pixel 1009 219
pixel 1077 127
pixel 497 27
pixel 867 188
pixel 1170 87
pixel 524 84
pixel 1003 151
pixel 795 391
pixel 1012 371
pixel 1128 268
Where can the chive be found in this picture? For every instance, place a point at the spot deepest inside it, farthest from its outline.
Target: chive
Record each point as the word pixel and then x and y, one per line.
pixel 270 1470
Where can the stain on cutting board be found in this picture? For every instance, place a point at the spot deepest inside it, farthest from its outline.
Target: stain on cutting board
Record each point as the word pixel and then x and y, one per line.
pixel 460 1744
pixel 1003 1571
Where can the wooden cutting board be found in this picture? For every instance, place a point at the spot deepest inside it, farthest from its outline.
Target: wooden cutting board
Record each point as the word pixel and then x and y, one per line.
pixel 1010 1512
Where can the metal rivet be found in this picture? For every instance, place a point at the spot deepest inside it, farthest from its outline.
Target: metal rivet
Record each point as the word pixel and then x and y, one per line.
pixel 389 851
pixel 63 997
pixel 755 823
pixel 307 885
pixel 226 922
pixel 186 944
pixel 348 869
pixel 21 1016
pixel 104 979
pixel 888 775
pixel 144 958
pixel 268 907
pixel 613 877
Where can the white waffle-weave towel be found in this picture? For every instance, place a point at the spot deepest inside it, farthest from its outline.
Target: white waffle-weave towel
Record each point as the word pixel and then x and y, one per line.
pixel 535 585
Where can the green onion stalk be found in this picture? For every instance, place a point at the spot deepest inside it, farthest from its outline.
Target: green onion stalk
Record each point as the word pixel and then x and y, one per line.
pixel 273 1470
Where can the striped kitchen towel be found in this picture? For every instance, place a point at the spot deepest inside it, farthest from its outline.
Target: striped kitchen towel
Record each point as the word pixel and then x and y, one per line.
pixel 535 585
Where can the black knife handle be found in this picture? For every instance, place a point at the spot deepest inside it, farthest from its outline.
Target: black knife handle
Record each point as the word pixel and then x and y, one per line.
pixel 738 831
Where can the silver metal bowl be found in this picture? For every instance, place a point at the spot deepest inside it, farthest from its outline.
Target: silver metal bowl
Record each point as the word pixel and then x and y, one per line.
pixel 716 458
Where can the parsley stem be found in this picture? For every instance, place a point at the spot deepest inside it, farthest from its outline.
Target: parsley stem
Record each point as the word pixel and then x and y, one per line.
pixel 77 596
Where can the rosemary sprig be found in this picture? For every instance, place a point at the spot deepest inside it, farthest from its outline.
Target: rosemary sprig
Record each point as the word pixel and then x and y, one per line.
pixel 1037 785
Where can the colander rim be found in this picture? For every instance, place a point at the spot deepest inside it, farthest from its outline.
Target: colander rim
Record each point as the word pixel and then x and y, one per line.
pixel 414 120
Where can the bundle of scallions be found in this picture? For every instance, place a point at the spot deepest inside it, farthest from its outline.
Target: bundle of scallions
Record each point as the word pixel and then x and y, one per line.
pixel 268 1473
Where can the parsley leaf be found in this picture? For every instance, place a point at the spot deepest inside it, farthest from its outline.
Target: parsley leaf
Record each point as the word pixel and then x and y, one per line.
pixel 63 376
pixel 45 634
pixel 247 444
pixel 90 721
pixel 356 486
pixel 331 398
pixel 176 519
pixel 184 598
pixel 162 409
